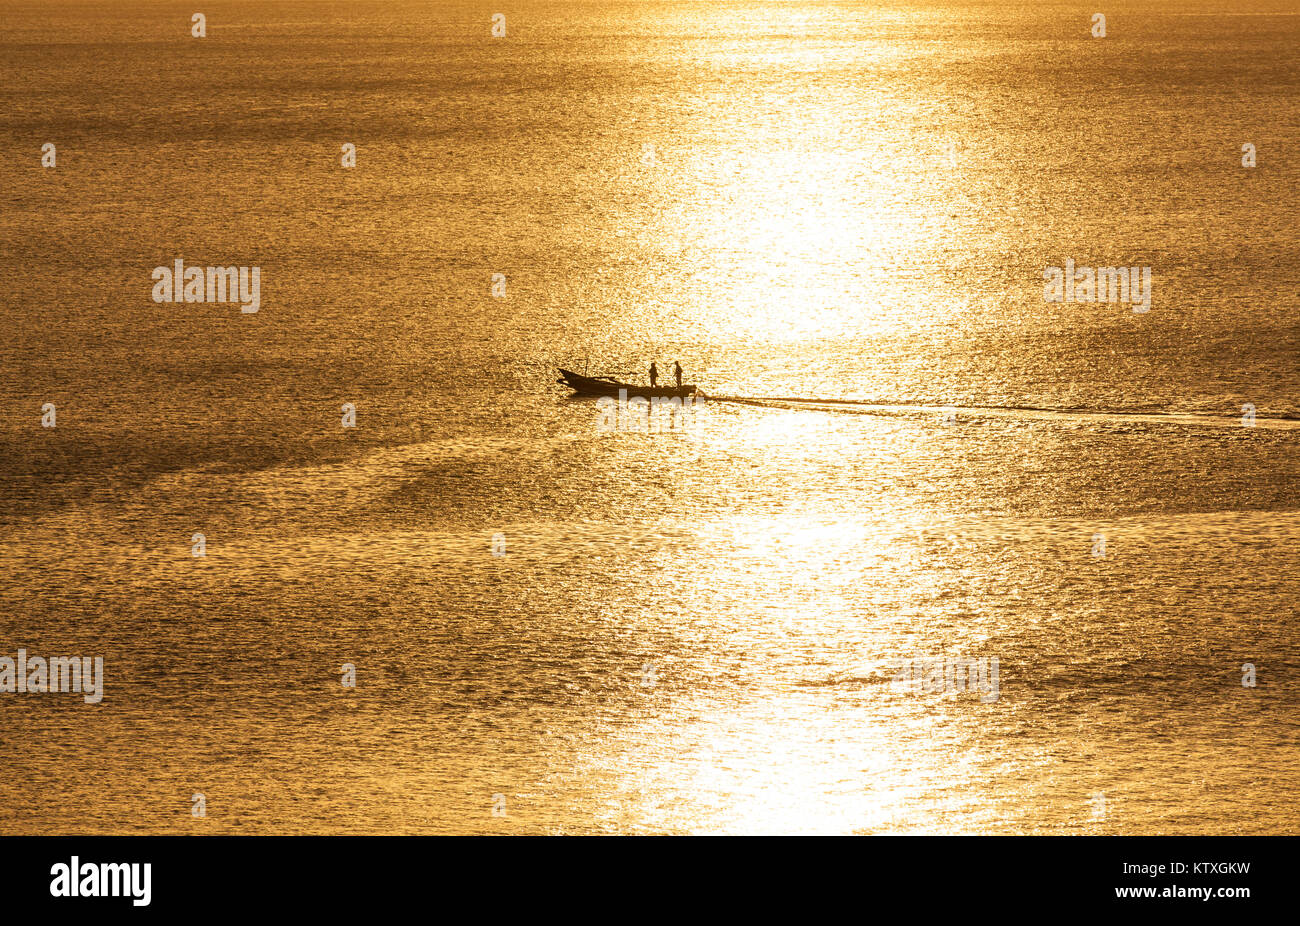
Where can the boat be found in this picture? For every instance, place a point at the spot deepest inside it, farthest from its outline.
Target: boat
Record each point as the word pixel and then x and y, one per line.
pixel 607 385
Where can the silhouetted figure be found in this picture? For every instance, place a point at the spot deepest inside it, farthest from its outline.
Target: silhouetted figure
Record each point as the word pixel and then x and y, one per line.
pixel 677 368
pixel 654 375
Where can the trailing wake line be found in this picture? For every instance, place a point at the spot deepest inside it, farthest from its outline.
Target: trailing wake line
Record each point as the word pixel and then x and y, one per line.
pixel 865 406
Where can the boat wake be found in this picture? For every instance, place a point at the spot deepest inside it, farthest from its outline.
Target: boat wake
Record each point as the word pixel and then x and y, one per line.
pixel 869 407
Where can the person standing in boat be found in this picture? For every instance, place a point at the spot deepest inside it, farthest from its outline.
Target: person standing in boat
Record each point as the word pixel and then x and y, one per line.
pixel 654 375
pixel 677 369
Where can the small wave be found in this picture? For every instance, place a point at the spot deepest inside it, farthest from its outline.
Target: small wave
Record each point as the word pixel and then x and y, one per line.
pixel 872 677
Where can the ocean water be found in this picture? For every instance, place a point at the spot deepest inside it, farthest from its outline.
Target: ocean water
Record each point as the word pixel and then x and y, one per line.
pixel 692 630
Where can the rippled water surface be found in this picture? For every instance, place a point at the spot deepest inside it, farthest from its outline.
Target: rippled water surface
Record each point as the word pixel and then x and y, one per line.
pixel 691 631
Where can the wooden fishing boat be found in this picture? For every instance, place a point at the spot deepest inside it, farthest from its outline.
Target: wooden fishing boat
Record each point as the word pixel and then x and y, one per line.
pixel 606 385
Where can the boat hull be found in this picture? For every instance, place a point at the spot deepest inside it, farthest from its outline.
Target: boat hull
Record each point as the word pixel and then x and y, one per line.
pixel 597 386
